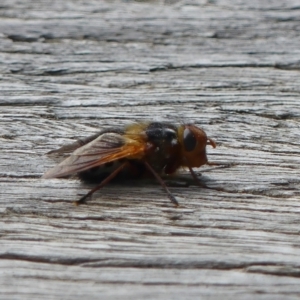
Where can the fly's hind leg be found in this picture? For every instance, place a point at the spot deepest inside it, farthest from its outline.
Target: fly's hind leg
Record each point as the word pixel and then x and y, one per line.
pixel 83 199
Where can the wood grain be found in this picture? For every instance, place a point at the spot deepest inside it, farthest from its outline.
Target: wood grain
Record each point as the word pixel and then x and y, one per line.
pixel 70 68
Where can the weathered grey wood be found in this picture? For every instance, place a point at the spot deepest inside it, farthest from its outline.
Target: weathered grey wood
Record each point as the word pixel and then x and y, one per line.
pixel 69 68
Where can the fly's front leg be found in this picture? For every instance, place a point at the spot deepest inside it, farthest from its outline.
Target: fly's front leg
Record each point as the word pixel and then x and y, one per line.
pixel 196 178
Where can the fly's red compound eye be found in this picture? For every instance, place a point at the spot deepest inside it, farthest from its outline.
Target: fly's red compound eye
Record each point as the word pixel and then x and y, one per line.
pixel 189 140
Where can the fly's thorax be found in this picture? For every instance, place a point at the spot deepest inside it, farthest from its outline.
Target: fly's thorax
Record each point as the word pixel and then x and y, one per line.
pixel 164 145
pixel 162 133
pixel 193 141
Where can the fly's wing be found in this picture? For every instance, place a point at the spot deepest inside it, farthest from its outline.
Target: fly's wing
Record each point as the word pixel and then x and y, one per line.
pixel 69 148
pixel 105 148
pixel 66 150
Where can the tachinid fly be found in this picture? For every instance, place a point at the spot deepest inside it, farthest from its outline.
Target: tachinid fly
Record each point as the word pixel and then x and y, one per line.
pixel 134 151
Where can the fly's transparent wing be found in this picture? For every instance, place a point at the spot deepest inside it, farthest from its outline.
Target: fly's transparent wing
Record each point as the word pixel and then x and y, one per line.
pixel 105 148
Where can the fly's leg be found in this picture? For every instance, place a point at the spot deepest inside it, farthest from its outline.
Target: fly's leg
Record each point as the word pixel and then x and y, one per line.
pixel 102 184
pixel 195 177
pixel 162 183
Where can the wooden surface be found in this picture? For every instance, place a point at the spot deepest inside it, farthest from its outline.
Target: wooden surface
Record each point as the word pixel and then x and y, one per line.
pixel 69 68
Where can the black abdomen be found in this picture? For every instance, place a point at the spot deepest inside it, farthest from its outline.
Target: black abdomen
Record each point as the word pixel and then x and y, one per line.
pixel 134 170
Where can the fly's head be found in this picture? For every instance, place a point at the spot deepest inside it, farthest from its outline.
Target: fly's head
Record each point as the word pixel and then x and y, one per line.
pixel 193 142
